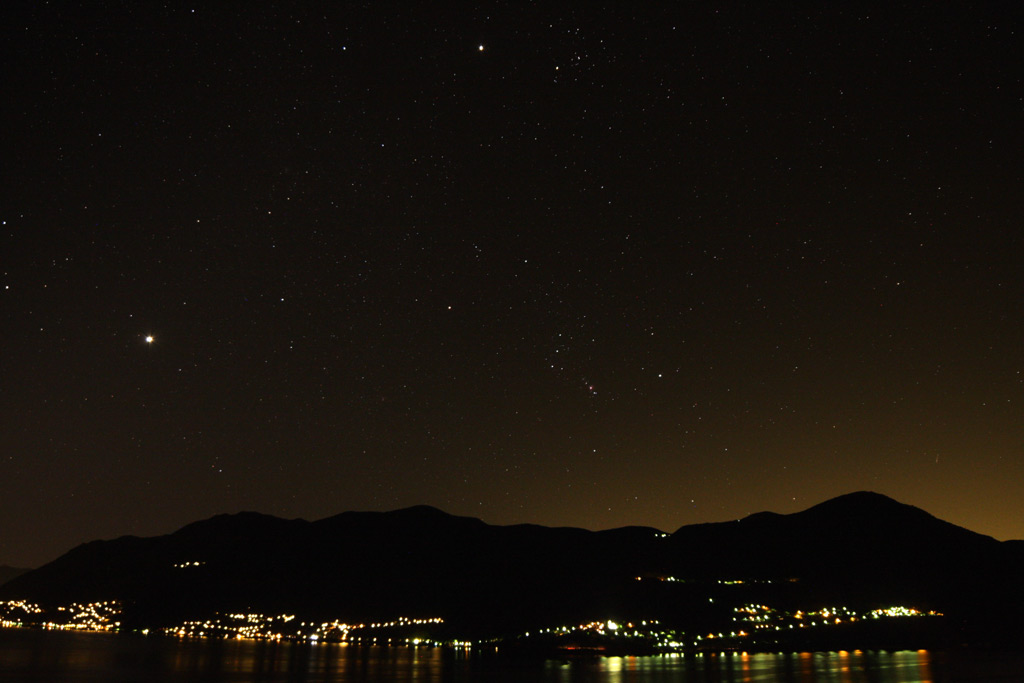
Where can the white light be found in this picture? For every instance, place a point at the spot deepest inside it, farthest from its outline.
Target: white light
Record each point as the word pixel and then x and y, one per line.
pixel 149 339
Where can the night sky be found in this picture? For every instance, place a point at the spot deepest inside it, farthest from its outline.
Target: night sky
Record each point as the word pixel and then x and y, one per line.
pixel 565 263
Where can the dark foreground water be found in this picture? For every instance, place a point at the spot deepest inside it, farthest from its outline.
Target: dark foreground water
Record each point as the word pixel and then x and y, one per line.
pixel 55 656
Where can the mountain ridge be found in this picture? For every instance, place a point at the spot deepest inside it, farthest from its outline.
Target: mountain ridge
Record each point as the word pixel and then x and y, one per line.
pixel 862 547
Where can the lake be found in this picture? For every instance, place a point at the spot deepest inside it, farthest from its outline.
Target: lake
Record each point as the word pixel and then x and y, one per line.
pixel 30 655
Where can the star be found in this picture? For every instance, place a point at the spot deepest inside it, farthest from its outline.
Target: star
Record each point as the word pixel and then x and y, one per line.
pixel 149 339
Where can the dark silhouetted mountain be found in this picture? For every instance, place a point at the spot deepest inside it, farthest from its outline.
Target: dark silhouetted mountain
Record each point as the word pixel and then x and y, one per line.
pixel 7 573
pixel 855 535
pixel 861 548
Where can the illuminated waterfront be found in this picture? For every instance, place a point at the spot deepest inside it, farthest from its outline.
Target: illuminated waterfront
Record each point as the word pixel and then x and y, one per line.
pixel 605 636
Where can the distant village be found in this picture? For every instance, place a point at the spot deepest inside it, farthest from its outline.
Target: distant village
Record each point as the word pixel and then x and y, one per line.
pixel 748 622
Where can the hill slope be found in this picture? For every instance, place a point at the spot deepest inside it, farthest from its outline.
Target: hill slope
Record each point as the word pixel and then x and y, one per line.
pixel 487 579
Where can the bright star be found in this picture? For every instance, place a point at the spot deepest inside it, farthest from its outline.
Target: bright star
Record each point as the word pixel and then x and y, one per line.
pixel 480 48
pixel 149 339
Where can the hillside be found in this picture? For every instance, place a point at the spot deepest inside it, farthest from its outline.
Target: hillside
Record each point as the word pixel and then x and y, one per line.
pixel 860 549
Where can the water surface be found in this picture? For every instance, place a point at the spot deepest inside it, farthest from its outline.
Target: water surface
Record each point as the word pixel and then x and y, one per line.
pixel 29 655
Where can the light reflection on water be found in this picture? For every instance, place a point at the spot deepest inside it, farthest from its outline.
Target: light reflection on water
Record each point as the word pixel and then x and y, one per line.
pixel 803 667
pixel 78 657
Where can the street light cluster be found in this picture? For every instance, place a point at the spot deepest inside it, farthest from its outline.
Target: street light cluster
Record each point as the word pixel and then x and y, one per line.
pixel 747 619
pixel 91 616
pixel 254 626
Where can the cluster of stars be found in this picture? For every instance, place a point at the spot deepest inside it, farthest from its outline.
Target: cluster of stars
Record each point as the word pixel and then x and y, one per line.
pixel 570 265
